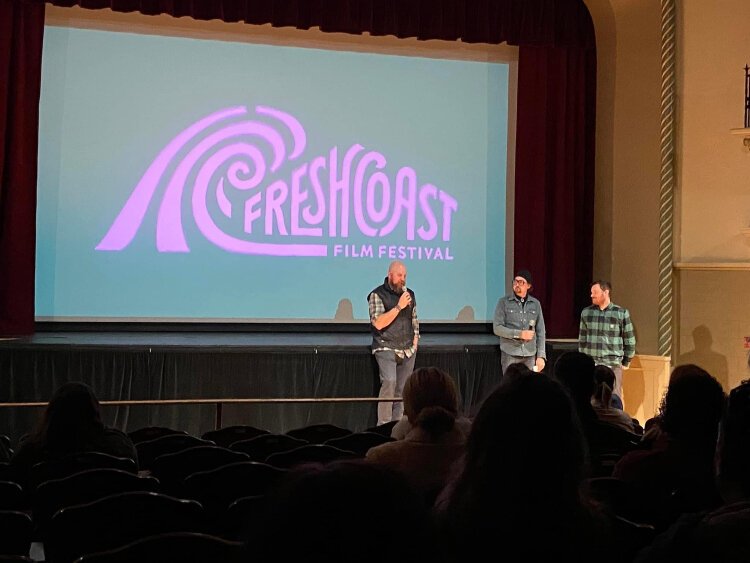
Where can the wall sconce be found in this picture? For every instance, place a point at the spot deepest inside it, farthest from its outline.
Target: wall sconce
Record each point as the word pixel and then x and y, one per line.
pixel 745 131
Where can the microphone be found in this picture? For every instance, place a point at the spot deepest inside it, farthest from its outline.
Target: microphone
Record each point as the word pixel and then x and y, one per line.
pixel 532 323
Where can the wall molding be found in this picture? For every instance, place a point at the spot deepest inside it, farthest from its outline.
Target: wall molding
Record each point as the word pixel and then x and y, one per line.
pixel 712 266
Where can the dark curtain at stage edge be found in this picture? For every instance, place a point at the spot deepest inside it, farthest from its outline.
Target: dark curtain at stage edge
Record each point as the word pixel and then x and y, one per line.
pixel 21 31
pixel 558 35
pixel 554 206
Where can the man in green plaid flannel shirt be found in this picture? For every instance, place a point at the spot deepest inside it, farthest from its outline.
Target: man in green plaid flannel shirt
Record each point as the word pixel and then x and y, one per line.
pixel 606 333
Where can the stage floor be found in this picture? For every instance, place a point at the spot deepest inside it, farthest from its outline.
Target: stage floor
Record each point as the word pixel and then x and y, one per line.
pixel 242 342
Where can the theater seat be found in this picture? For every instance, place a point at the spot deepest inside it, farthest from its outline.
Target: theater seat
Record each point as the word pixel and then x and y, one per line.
pixel 116 520
pixel 359 442
pixel 152 432
pixel 260 447
pixel 172 469
pixel 227 436
pixel 177 547
pixel 11 496
pixel 149 450
pixel 81 488
pixel 384 429
pixel 16 529
pixel 311 453
pixel 59 468
pixel 218 488
pixel 318 433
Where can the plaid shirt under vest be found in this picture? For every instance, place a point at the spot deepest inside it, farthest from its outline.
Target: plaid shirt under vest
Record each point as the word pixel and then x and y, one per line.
pixel 607 335
pixel 376 307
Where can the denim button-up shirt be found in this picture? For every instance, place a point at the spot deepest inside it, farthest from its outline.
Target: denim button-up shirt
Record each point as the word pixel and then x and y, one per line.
pixel 511 317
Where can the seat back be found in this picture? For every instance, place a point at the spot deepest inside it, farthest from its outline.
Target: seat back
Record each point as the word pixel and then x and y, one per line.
pixel 227 436
pixel 152 432
pixel 359 442
pixel 7 472
pixel 384 429
pixel 311 453
pixel 81 488
pixel 260 447
pixel 318 433
pixel 6 452
pixel 115 520
pixel 243 517
pixel 73 463
pixel 175 547
pixel 171 469
pixel 149 450
pixel 11 496
pixel 218 488
pixel 16 529
pixel 630 537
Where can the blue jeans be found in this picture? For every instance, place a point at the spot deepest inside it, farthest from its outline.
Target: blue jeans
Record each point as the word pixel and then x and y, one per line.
pixel 393 374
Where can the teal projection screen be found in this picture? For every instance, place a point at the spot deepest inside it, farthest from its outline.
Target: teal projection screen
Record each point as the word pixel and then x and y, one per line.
pixel 191 179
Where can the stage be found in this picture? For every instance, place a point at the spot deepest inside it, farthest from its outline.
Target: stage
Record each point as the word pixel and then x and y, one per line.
pixel 149 365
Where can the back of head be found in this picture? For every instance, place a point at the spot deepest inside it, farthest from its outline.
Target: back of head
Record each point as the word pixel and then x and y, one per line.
pixel 604 377
pixel 332 512
pixel 516 371
pixel 525 451
pixel 604 374
pixel 693 406
pixel 431 400
pixel 72 416
pixel 733 451
pixel 575 371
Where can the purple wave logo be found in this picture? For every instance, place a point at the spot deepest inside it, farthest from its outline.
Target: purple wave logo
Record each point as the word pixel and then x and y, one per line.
pixel 232 163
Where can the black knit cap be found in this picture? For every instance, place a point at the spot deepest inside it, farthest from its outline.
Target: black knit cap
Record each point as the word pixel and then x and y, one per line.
pixel 525 274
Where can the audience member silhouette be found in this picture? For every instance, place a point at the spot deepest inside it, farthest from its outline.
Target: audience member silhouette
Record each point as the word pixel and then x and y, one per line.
pixel 719 535
pixel 604 401
pixel 518 495
pixel 422 396
pixel 341 512
pixel 677 474
pixel 575 371
pixel 515 371
pixel 71 423
pixel 605 374
pixel 436 439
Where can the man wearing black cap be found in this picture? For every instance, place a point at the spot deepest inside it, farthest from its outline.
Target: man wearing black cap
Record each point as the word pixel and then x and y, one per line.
pixel 520 325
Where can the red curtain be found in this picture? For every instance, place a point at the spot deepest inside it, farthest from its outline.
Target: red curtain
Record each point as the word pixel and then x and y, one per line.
pixel 555 131
pixel 554 194
pixel 21 30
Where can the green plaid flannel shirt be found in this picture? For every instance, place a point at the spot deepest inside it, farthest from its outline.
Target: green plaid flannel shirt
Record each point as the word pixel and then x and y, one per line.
pixel 607 335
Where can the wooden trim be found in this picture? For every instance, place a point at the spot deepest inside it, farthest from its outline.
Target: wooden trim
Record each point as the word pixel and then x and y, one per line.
pixel 713 266
pixel 223 401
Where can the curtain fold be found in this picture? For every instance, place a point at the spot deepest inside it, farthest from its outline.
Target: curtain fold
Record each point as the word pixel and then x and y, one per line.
pixel 21 31
pixel 556 105
pixel 554 196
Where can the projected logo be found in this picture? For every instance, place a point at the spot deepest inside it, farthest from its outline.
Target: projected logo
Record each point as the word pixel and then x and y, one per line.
pixel 250 192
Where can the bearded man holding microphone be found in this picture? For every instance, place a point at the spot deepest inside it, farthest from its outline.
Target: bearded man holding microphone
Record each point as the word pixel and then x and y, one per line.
pixel 395 337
